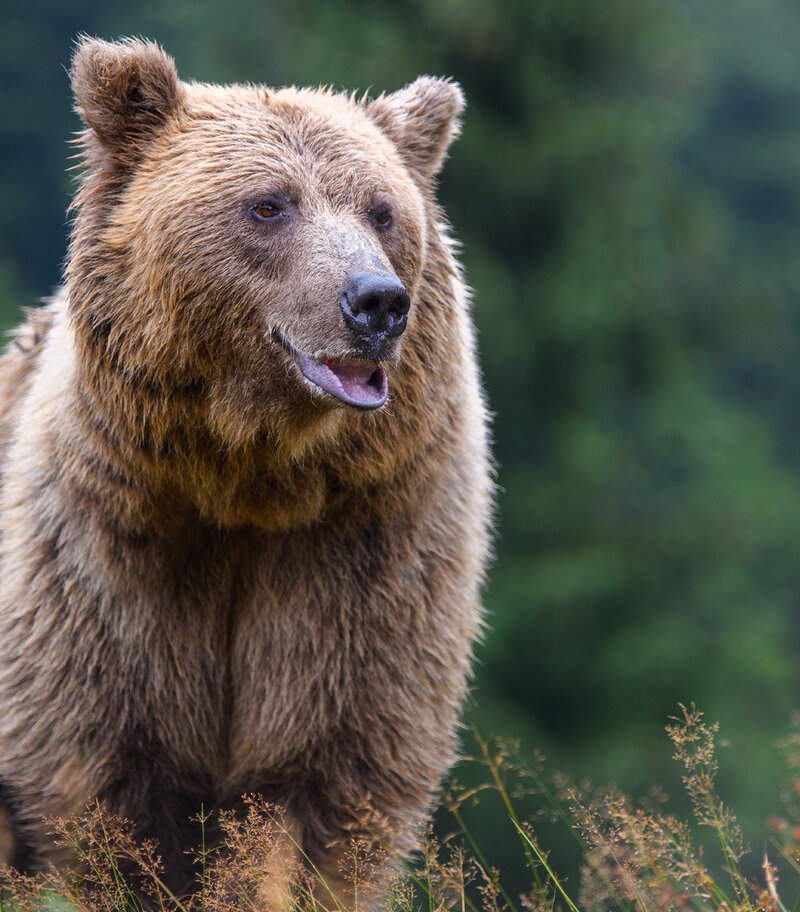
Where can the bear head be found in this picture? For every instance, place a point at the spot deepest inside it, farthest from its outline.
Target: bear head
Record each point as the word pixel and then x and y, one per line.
pixel 252 256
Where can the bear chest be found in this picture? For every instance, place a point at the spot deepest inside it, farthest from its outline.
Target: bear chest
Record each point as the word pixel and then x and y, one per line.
pixel 246 670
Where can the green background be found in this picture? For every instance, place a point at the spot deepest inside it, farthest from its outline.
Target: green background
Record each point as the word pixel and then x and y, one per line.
pixel 627 191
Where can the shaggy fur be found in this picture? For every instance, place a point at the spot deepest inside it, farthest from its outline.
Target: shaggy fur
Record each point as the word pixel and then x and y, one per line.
pixel 218 579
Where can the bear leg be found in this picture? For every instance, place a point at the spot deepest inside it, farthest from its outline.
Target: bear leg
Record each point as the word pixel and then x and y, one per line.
pixel 16 848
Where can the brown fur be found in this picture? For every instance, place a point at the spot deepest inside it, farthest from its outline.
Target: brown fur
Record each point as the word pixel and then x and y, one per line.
pixel 217 579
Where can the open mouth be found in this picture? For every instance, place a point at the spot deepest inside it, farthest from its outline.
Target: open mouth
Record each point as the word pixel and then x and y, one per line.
pixel 356 382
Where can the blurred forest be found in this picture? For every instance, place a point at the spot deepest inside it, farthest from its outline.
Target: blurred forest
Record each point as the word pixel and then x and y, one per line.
pixel 627 191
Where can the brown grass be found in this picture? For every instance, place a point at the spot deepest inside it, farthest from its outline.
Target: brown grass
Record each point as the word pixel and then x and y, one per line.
pixel 635 857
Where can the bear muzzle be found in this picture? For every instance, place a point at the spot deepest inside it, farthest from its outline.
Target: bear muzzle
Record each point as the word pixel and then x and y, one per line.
pixel 374 308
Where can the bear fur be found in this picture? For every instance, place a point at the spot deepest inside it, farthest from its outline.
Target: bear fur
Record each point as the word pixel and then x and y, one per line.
pixel 219 577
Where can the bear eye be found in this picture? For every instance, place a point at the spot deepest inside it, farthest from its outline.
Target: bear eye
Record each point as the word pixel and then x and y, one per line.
pixel 382 216
pixel 266 210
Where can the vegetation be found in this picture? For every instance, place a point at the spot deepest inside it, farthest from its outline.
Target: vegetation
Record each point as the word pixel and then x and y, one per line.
pixel 634 857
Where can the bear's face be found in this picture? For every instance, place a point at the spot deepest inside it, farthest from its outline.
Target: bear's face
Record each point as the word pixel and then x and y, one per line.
pixel 261 245
pixel 297 212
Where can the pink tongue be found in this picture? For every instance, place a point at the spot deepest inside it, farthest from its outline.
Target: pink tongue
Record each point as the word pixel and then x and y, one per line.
pixel 358 383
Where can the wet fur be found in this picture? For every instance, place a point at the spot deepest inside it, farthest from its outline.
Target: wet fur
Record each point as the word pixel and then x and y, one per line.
pixel 215 579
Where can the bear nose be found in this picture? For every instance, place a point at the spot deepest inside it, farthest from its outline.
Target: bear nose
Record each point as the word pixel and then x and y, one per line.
pixel 375 305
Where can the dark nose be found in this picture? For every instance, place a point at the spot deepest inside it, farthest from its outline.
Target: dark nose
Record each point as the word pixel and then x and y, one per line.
pixel 374 305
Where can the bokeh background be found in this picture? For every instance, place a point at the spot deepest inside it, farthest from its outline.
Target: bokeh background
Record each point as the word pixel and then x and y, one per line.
pixel 627 191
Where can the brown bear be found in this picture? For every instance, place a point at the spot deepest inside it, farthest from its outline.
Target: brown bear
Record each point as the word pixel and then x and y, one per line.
pixel 245 497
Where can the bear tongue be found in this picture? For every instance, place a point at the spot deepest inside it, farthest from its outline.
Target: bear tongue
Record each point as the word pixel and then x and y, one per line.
pixel 361 384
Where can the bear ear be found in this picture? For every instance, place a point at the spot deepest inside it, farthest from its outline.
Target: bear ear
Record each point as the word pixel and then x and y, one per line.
pixel 124 91
pixel 422 120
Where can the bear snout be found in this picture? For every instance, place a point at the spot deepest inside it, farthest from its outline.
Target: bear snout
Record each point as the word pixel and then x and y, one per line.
pixel 375 307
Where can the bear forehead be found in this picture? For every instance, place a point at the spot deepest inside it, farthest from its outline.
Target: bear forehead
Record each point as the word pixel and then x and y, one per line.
pixel 290 127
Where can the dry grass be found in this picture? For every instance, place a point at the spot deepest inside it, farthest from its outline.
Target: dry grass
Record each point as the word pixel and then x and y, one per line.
pixel 634 858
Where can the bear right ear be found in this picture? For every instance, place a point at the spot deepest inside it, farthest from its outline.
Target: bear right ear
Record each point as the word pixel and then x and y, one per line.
pixel 124 91
pixel 422 119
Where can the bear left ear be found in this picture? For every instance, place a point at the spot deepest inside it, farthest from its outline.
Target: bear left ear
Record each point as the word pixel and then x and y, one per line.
pixel 422 120
pixel 124 91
